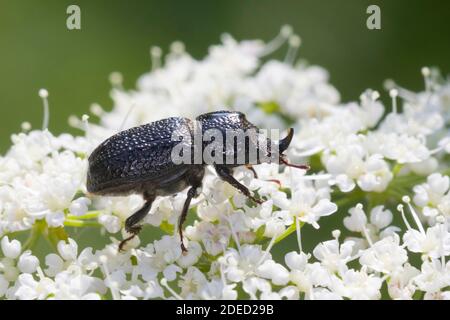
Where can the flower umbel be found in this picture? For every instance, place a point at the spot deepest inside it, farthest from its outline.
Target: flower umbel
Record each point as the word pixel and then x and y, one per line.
pixel 382 174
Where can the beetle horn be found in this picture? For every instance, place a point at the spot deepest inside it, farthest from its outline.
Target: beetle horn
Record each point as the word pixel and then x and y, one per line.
pixel 284 143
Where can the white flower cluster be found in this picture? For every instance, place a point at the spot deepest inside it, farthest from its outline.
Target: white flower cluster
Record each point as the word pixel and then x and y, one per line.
pixel 385 172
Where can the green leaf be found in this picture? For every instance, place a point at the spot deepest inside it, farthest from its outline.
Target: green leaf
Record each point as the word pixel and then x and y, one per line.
pixel 269 107
pixel 272 107
pixel 167 227
pixel 260 233
pixel 57 234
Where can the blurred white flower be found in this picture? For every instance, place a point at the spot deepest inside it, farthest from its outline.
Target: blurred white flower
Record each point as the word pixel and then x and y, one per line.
pixel 434 243
pixel 358 285
pixel 334 256
pixel 386 255
pixel 433 196
pixel 308 205
pixel 400 284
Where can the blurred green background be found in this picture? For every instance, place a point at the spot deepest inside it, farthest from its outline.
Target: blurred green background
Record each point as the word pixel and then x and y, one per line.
pixel 37 51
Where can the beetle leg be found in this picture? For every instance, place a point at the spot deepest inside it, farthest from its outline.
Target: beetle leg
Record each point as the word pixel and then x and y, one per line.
pixel 225 174
pixel 250 167
pixel 192 193
pixel 131 224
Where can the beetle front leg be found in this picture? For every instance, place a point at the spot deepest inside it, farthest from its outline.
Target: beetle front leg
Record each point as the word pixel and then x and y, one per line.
pixel 250 167
pixel 225 174
pixel 132 223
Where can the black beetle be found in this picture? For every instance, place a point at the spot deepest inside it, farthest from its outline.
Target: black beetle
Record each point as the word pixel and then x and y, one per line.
pixel 138 161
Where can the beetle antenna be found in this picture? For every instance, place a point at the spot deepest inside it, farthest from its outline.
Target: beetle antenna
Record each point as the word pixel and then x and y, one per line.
pixel 278 41
pixel 298 166
pixel 43 93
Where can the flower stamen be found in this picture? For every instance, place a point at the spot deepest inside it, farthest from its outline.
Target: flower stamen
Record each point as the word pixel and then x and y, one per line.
pixel 233 233
pixel 104 264
pixel 426 72
pixel 155 54
pixel 394 93
pixel 278 41
pixel 116 80
pixel 97 110
pixel 269 247
pixel 43 93
pixel 407 200
pixel 294 43
pixel 166 285
pixel 402 211
pixel 299 235
pixel 25 126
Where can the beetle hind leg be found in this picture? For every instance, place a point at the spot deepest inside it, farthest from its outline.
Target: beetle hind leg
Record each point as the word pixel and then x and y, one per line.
pixel 132 223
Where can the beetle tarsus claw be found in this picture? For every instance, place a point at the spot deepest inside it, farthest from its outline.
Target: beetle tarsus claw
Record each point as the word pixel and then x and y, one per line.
pixel 250 167
pixel 298 166
pixel 258 201
pixel 184 251
pixel 124 242
pixel 278 182
pixel 134 230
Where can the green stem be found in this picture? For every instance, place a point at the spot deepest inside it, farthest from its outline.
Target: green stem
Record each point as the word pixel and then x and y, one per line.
pixel 292 228
pixel 33 237
pixel 232 203
pixel 396 193
pixel 397 169
pixel 87 216
pixel 81 223
pixel 346 201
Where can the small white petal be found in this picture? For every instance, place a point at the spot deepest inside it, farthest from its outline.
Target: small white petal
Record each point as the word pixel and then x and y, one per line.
pixel 380 217
pixel 79 206
pixel 55 219
pixel 27 262
pixel 11 249
pixel 68 250
pixel 274 271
